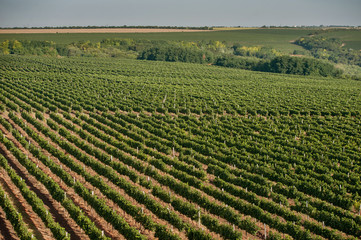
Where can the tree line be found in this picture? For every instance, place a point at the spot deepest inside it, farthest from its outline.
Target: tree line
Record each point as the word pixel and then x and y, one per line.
pixel 218 53
pixel 280 64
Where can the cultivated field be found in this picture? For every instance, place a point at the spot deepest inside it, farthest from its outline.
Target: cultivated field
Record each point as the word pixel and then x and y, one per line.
pixel 96 148
pixel 281 39
pixel 96 30
pixel 351 37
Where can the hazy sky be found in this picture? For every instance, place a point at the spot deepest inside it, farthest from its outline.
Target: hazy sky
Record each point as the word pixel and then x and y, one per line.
pixel 30 13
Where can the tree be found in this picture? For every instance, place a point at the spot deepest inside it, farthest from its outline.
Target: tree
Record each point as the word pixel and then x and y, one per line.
pixel 4 46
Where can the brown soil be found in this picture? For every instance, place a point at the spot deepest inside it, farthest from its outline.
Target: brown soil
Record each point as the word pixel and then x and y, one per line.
pixel 99 30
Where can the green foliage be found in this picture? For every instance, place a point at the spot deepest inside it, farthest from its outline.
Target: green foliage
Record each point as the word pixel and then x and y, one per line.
pixel 236 147
pixel 4 46
pixel 350 37
pixel 13 215
pixel 176 54
pixel 274 38
pixel 257 51
pixel 331 49
pixel 237 62
pixel 213 52
pixel 36 203
pixel 302 66
pixel 39 115
pixel 282 64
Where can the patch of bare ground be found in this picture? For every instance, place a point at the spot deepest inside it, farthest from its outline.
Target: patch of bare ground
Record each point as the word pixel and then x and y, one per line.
pixel 98 30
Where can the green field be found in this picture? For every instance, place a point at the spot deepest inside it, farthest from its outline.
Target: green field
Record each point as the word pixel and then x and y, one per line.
pixel 277 38
pixel 351 37
pixel 208 152
pixel 280 39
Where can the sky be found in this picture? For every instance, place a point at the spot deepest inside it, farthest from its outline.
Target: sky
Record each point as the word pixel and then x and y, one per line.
pixel 40 13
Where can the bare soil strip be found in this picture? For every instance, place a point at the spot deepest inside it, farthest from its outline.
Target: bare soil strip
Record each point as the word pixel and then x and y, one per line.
pixel 99 30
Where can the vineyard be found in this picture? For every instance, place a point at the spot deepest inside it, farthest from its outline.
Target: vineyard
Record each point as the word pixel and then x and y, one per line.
pixel 96 148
